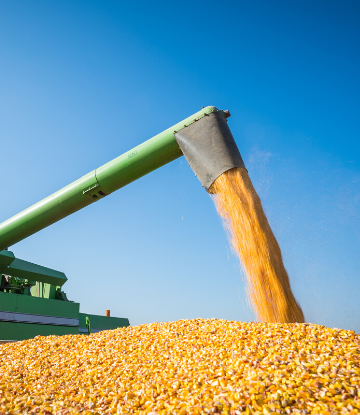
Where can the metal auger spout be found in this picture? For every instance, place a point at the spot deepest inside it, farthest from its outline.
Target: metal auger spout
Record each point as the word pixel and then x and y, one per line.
pixel 209 147
pixel 204 138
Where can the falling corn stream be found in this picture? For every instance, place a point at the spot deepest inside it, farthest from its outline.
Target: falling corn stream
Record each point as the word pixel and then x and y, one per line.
pixel 253 240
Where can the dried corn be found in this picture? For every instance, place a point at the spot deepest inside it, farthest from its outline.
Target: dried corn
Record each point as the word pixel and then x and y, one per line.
pixel 185 367
pixel 253 241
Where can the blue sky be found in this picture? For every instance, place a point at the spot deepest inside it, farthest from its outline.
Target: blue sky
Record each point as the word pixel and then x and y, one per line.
pixel 81 82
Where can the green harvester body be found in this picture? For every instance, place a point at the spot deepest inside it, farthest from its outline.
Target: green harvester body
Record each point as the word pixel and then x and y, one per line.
pixel 32 303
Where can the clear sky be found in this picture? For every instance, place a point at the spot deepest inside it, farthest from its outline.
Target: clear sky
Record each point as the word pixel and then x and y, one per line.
pixel 81 82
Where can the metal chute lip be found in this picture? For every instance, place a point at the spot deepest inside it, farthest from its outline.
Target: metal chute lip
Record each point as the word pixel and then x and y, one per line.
pixel 199 118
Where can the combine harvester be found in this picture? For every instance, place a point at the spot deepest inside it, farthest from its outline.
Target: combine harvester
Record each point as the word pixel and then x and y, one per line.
pixel 32 301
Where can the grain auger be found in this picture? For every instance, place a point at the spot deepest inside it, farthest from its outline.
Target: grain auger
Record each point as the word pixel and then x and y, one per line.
pixel 210 149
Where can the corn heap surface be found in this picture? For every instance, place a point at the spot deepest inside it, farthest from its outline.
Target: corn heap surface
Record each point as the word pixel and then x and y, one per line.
pixel 185 367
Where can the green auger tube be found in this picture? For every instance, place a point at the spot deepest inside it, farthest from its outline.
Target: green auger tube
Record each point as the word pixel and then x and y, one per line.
pixel 204 138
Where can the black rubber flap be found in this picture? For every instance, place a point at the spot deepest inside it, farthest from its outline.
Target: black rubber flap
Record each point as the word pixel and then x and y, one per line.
pixel 209 147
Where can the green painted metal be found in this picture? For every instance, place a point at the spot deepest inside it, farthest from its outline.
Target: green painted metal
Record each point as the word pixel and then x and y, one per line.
pixel 28 305
pixel 102 322
pixel 8 302
pixel 31 308
pixel 30 279
pixel 88 324
pixel 6 258
pixel 119 172
pixel 18 303
pixel 43 290
pixel 33 272
pixel 22 331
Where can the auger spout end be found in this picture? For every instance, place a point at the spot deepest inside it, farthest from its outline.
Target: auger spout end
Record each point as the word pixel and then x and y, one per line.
pixel 209 147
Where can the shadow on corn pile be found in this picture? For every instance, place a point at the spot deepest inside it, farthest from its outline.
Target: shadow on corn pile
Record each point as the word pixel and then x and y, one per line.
pixel 185 367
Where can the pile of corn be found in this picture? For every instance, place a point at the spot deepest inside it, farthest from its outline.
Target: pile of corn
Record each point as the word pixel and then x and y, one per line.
pixel 185 367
